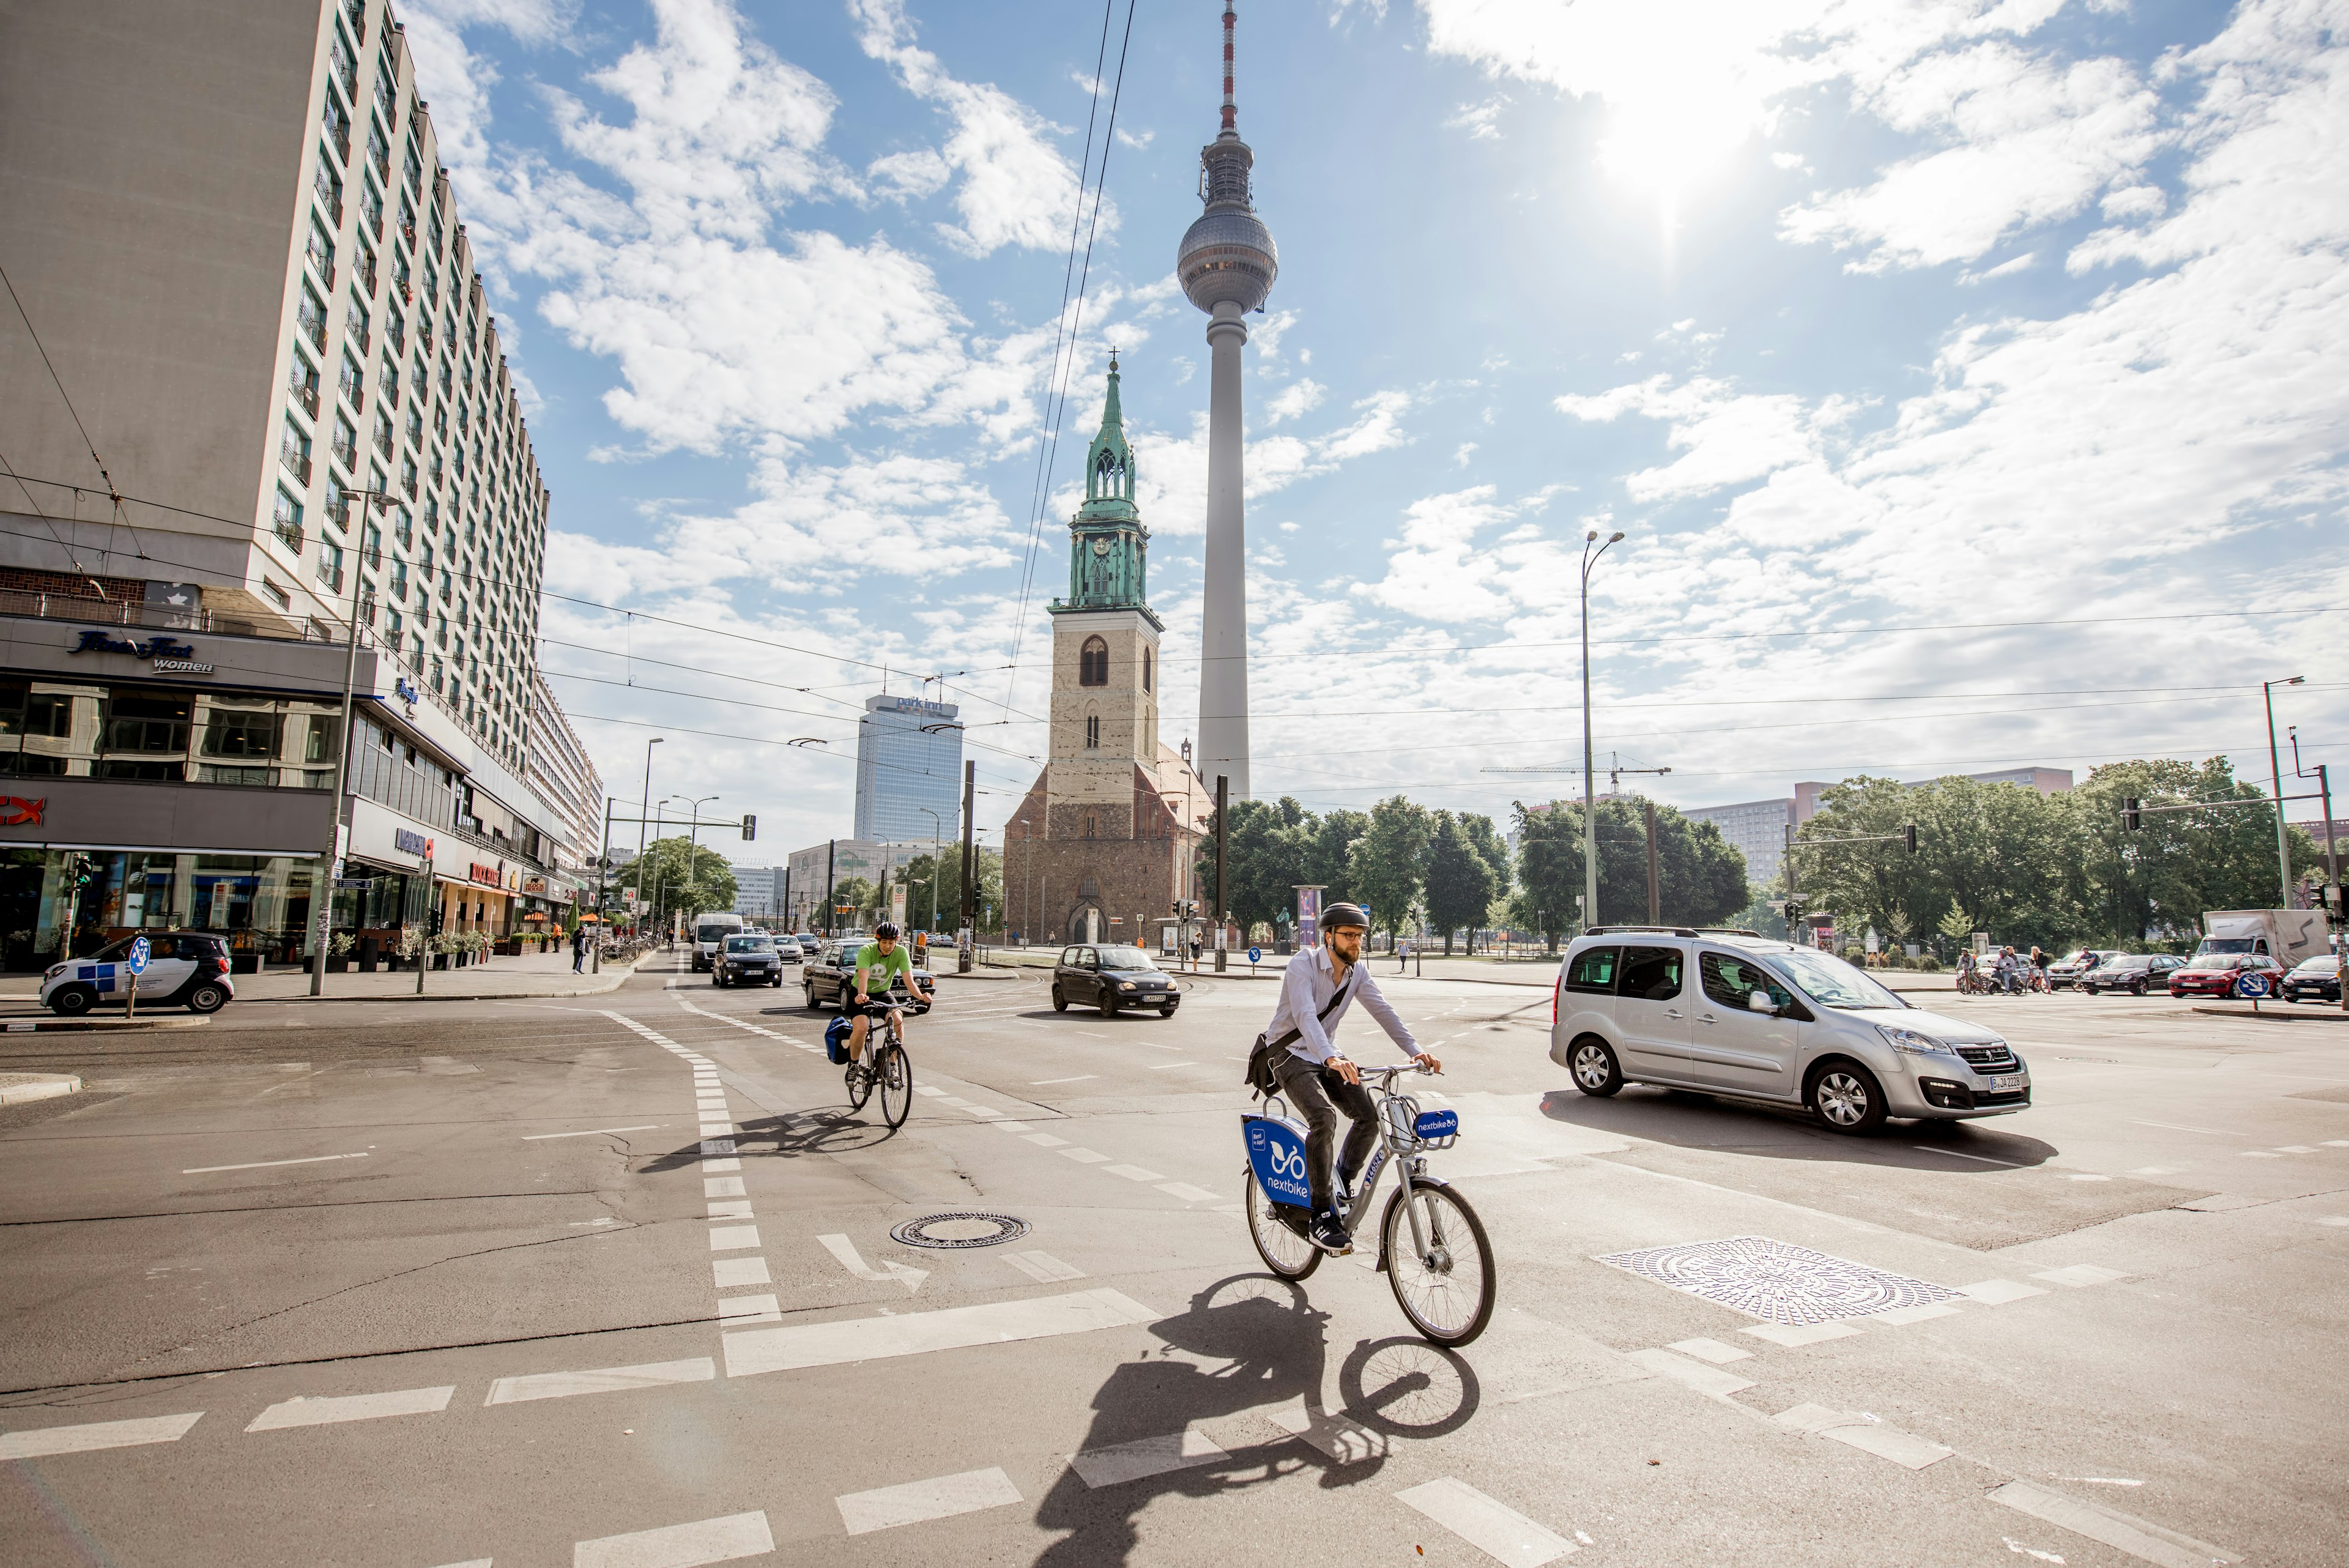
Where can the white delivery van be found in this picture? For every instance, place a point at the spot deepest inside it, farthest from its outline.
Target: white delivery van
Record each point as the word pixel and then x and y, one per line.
pixel 710 934
pixel 2286 936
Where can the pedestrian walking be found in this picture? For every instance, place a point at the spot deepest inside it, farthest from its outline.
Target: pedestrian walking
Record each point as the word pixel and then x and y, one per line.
pixel 579 949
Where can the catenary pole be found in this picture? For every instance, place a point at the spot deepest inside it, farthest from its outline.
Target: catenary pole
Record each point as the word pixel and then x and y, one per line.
pixel 963 954
pixel 603 859
pixel 2275 761
pixel 1223 912
pixel 330 865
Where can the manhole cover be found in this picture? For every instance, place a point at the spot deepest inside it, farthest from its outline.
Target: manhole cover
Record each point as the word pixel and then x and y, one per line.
pixel 1776 1281
pixel 951 1232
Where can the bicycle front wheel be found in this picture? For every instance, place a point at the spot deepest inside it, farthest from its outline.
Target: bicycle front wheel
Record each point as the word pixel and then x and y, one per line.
pixel 896 1071
pixel 1447 1291
pixel 1284 1251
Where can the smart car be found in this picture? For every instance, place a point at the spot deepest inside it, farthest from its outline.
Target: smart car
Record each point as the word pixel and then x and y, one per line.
pixel 184 969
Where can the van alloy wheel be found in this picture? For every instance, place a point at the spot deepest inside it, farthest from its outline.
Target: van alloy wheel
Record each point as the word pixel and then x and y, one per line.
pixel 1847 1099
pixel 1595 1070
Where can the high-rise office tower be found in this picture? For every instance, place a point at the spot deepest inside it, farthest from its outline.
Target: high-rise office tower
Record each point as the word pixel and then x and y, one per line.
pixel 1226 265
pixel 908 771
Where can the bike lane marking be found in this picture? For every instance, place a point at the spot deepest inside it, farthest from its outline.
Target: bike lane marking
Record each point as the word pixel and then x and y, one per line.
pixel 721 1540
pixel 913 1503
pixel 40 1442
pixel 1492 1527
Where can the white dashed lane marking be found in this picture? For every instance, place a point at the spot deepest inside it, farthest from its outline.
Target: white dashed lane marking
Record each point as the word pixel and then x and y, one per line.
pixel 591 1132
pixel 608 1380
pixel 911 1502
pixel 43 1441
pixel 1117 1463
pixel 797 1346
pixel 1499 1532
pixel 679 1545
pixel 266 1164
pixel 353 1408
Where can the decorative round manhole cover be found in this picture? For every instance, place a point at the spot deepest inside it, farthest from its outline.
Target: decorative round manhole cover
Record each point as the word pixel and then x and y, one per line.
pixel 952 1232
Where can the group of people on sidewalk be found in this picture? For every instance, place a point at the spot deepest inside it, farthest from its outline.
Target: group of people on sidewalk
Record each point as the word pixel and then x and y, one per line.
pixel 2006 970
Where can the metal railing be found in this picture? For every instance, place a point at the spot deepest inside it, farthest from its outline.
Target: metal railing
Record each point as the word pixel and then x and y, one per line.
pixel 306 395
pixel 295 463
pixel 92 611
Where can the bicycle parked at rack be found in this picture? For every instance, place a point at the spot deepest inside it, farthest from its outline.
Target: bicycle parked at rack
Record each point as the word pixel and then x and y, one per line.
pixel 885 1066
pixel 1432 1245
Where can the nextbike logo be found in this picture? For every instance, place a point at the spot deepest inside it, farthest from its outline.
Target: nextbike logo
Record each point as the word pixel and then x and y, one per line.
pixel 1278 1157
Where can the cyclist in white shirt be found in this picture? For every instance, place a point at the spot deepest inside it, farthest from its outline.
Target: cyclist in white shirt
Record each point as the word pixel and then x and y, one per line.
pixel 1316 1078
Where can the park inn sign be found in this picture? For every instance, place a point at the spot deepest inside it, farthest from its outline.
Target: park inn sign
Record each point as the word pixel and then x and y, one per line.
pixel 163 656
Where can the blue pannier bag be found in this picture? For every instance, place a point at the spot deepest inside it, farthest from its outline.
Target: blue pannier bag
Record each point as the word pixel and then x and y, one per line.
pixel 835 1040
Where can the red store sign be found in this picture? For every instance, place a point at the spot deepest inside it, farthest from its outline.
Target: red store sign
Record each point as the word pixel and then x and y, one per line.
pixel 487 875
pixel 15 811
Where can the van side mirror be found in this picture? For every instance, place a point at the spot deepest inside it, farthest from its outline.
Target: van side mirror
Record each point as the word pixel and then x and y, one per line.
pixel 1759 1001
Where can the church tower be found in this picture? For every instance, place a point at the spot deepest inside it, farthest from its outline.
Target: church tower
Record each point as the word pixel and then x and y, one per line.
pixel 1101 847
pixel 1104 644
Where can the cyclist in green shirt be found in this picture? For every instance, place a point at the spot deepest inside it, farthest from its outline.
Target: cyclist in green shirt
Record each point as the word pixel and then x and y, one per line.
pixel 878 961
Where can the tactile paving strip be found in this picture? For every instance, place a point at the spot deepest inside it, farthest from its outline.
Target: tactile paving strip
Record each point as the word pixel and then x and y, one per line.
pixel 1777 1281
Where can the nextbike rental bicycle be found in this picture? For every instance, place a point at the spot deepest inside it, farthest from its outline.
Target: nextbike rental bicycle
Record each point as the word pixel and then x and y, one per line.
pixel 1432 1245
pixel 885 1066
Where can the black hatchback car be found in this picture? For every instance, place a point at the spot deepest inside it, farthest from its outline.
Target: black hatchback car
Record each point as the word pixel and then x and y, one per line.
pixel 750 958
pixel 1111 977
pixel 2312 979
pixel 2132 972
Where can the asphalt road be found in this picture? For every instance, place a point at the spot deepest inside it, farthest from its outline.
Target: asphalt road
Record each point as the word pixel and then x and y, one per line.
pixel 467 1284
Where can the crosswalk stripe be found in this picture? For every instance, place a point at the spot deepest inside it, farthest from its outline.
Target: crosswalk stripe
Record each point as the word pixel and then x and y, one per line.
pixel 911 1502
pixel 1042 1267
pixel 758 1350
pixel 351 1408
pixel 605 1380
pixel 1499 1532
pixel 43 1441
pixel 722 1539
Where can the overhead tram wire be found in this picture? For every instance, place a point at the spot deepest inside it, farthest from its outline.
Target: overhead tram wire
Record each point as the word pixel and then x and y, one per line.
pixel 1016 787
pixel 739 702
pixel 58 381
pixel 1054 377
pixel 1049 454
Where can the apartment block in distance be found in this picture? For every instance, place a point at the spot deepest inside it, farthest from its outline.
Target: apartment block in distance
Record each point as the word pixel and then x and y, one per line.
pixel 247 297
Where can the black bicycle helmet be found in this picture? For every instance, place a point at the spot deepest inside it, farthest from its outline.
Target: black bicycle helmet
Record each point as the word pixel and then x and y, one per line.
pixel 1337 915
pixel 886 931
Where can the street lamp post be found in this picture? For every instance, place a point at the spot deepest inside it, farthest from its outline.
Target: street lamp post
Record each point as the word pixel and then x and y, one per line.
pixel 2275 761
pixel 643 807
pixel 937 843
pixel 322 923
pixel 693 839
pixel 1589 770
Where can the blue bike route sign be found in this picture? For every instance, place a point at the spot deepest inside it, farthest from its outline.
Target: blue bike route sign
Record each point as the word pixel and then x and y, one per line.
pixel 137 963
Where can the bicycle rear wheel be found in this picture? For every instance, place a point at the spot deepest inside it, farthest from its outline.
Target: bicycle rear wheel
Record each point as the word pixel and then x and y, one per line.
pixel 860 1075
pixel 1284 1251
pixel 1447 1291
pixel 896 1071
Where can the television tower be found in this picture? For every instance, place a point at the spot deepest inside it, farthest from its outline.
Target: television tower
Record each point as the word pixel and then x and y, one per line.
pixel 1226 265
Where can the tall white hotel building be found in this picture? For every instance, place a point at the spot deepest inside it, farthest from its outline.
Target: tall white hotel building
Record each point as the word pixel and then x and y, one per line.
pixel 242 292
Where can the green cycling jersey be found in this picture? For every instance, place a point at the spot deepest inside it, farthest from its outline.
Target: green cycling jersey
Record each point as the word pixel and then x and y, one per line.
pixel 880 966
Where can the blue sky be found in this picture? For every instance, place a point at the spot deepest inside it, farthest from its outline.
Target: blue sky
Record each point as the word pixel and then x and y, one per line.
pixel 1857 318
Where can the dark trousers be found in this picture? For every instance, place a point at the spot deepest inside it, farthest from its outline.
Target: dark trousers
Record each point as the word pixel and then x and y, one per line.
pixel 1317 1095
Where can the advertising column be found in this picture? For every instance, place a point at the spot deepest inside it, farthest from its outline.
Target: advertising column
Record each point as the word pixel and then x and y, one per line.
pixel 1309 915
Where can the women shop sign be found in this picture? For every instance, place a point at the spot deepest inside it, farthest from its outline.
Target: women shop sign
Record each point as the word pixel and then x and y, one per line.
pixel 163 656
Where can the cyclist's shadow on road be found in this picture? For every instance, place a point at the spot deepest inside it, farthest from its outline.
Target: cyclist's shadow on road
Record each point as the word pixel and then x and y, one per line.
pixel 1244 1369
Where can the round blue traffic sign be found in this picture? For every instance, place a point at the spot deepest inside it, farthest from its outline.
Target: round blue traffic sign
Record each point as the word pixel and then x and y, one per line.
pixel 138 951
pixel 2254 986
pixel 1255 953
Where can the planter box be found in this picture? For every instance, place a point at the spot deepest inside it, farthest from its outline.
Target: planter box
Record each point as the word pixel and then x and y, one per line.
pixel 338 965
pixel 440 960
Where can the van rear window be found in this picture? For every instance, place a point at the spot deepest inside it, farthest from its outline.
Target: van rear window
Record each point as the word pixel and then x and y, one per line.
pixel 1593 969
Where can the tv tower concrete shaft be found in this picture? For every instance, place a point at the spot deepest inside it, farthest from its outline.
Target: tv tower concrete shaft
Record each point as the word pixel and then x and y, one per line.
pixel 1226 265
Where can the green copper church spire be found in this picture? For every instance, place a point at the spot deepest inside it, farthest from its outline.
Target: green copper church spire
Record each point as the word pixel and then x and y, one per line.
pixel 1109 553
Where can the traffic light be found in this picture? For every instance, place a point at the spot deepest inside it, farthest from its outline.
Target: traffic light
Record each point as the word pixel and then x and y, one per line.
pixel 1909 837
pixel 750 826
pixel 78 871
pixel 2132 814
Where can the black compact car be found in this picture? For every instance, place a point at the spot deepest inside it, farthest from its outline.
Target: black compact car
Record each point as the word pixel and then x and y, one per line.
pixel 2133 972
pixel 1111 977
pixel 2312 979
pixel 747 961
pixel 829 980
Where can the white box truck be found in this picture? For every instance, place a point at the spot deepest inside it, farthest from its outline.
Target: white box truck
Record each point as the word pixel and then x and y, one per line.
pixel 710 934
pixel 2287 936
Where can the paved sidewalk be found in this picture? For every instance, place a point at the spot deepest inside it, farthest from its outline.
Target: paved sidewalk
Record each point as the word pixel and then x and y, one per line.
pixel 532 974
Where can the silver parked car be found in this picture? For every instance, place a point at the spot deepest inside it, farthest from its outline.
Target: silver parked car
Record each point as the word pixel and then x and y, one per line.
pixel 1732 1013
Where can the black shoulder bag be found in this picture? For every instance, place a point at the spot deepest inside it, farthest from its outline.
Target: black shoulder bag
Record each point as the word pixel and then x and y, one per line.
pixel 1262 1055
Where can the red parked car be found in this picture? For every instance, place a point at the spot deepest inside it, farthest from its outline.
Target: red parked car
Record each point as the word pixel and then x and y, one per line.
pixel 2251 976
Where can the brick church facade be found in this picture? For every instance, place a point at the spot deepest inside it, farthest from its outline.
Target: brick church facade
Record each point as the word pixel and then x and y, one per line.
pixel 1103 846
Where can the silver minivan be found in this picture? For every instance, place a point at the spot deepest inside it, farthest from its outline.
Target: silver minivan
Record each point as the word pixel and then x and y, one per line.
pixel 1735 1012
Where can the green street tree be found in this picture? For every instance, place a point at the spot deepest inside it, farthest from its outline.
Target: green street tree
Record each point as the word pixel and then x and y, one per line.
pixel 919 873
pixel 683 877
pixel 853 893
pixel 1701 877
pixel 2179 863
pixel 1549 869
pixel 1266 842
pixel 1459 882
pixel 1389 861
pixel 1330 855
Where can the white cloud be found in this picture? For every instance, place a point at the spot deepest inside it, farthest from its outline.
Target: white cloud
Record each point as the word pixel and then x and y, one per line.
pixel 1137 139
pixel 1467 449
pixel 453 79
pixel 910 175
pixel 1298 397
pixel 1729 437
pixel 1480 120
pixel 1438 571
pixel 2029 142
pixel 1017 189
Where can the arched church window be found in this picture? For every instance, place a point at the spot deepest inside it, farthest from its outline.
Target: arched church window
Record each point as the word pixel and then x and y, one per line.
pixel 1148 660
pixel 1092 737
pixel 1092 663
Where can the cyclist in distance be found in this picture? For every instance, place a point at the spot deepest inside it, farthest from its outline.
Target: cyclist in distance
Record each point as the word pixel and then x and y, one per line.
pixel 1316 1077
pixel 876 961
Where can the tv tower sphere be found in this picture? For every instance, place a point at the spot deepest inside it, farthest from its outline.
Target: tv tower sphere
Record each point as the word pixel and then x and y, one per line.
pixel 1228 255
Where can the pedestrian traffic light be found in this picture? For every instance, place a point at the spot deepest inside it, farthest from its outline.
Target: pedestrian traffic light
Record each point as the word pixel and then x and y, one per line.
pixel 1910 836
pixel 78 871
pixel 750 825
pixel 2132 814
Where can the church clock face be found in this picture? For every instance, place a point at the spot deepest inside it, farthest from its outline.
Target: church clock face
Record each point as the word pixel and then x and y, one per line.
pixel 1100 546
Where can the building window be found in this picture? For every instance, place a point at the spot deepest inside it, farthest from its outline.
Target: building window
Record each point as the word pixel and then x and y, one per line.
pixel 1148 660
pixel 1092 663
pixel 287 519
pixel 1092 737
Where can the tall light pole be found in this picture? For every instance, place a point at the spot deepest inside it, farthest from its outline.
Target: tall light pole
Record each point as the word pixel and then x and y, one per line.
pixel 1589 770
pixel 330 866
pixel 693 839
pixel 937 843
pixel 2275 762
pixel 644 805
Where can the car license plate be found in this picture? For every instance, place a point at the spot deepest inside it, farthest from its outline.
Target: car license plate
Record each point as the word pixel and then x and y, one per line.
pixel 2006 1081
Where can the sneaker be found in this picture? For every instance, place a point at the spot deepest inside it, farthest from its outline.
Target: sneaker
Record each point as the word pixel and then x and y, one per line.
pixel 1331 1236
